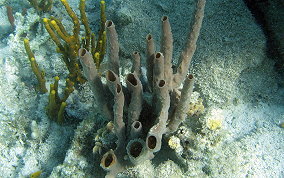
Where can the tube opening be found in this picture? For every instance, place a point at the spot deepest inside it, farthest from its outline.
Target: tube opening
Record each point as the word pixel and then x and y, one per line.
pixel 151 142
pixel 136 124
pixel 108 160
pixel 131 79
pixel 149 37
pixel 190 76
pixel 136 149
pixel 162 83
pixel 118 88
pixel 109 23
pixel 164 18
pixel 83 52
pixel 158 55
pixel 110 76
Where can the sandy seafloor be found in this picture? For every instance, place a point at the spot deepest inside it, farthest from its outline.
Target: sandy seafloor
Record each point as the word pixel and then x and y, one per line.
pixel 234 77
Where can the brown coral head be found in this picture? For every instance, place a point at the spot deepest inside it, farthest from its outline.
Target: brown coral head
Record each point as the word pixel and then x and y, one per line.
pixel 109 160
